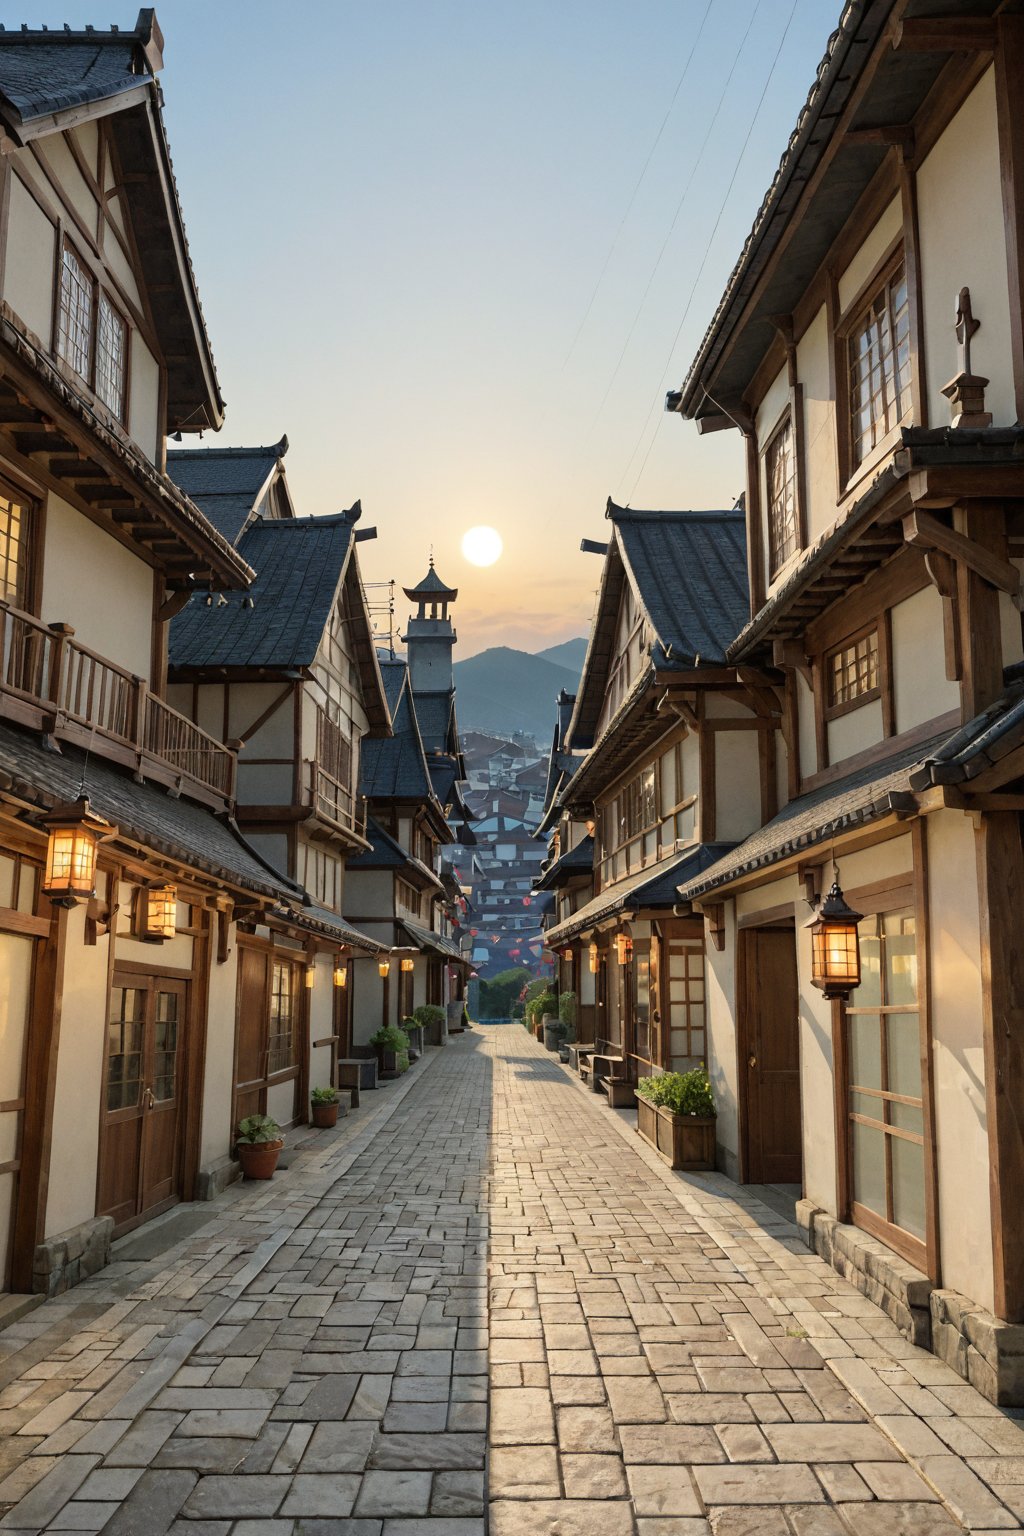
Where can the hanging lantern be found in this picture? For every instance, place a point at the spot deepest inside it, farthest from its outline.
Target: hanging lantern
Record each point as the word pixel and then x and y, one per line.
pixel 566 954
pixel 75 834
pixel 408 963
pixel 310 975
pixel 835 945
pixel 527 901
pixel 592 955
pixel 384 967
pixel 340 976
pixel 624 948
pixel 157 909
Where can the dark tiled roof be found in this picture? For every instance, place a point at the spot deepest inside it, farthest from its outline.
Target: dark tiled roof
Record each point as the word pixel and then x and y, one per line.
pixel 143 813
pixel 810 819
pixel 299 563
pixel 431 586
pixel 319 919
pixel 225 482
pixel 395 675
pixel 647 888
pixel 444 773
pixel 578 861
pixel 384 852
pixel 394 768
pixel 426 939
pixel 690 574
pixel 434 713
pixel 51 71
pixel 984 743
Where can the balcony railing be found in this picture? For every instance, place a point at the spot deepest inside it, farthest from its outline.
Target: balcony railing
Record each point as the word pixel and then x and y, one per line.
pixel 337 803
pixel 49 680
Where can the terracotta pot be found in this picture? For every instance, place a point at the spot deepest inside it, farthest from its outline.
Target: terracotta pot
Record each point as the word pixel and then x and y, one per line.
pixel 258 1158
pixel 325 1115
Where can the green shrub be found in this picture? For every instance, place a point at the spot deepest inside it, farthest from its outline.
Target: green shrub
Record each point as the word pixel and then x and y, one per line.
pixel 402 1061
pixel 427 1014
pixel 684 1093
pixel 567 1014
pixel 390 1038
pixel 256 1129
pixel 324 1096
pixel 544 1002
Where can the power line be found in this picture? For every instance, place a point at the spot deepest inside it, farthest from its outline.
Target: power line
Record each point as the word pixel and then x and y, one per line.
pixel 700 269
pixel 675 218
pixel 639 183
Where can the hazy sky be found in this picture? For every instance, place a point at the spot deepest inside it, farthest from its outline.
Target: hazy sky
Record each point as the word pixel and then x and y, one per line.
pixel 399 211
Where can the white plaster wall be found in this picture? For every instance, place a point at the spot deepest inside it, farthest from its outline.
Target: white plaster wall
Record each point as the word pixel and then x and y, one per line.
pixel 958 1058
pixel 921 690
pixel 805 727
pixel 61 161
pixel 369 893
pixel 80 560
pixel 1010 627
pixel 218 1077
pixel 855 731
pixel 175 953
pixel 29 262
pixel 246 704
pixel 367 1000
pixel 737 785
pixel 264 783
pixel 720 995
pixel 960 219
pixel 813 373
pixel 870 253
pixel 81 1062
pixel 321 1022
pixel 144 422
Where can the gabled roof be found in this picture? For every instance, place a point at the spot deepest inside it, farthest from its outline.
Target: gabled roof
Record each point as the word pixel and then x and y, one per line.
pixel 652 887
pixel 229 484
pixel 568 866
pixel 395 675
pixel 688 573
pixel 386 852
pixel 51 80
pixel 280 622
pixel 395 767
pixel 436 715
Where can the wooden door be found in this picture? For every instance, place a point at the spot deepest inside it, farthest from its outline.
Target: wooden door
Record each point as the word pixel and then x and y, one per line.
pixel 140 1149
pixel 270 1030
pixel 769 1044
pixel 16 966
pixel 343 1018
pixel 251 1032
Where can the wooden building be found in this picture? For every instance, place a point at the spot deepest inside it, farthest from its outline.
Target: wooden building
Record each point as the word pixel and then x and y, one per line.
pixel 117 990
pixel 288 673
pixel 679 764
pixel 868 348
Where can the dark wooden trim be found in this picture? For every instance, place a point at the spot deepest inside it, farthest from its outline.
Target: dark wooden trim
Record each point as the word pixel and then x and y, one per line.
pixel 261 720
pixel 768 917
pixel 41 1048
pixel 899 578
pixel 820 721
pixel 981 639
pixel 912 264
pixel 919 835
pixel 850 473
pixel 840 1077
pixel 883 750
pixel 755 532
pixel 886 674
pixel 1009 64
pixel 12 921
pixel 1000 858
pixel 908 1247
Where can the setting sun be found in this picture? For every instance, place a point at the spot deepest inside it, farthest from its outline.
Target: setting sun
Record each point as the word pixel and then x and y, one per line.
pixel 482 546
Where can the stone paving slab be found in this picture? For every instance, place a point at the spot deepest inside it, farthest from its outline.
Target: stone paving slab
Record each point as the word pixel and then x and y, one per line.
pixel 485 1294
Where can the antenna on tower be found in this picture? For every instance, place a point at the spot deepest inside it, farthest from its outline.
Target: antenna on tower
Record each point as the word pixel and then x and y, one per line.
pixel 381 608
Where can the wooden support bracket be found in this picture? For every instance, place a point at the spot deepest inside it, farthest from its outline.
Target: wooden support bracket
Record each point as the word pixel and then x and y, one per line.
pixel 926 532
pixel 942 574
pixel 944 34
pixel 788 656
pixel 714 923
pixel 223 934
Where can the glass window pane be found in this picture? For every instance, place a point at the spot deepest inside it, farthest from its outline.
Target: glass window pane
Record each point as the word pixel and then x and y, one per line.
pixel 869 1167
pixel 900 959
pixel 908 1186
pixel 908 1117
pixel 865 1050
pixel 869 993
pixel 903 1043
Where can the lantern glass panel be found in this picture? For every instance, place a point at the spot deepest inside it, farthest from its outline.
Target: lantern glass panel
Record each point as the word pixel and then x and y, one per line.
pixel 341 976
pixel 161 912
pixel 384 966
pixel 71 861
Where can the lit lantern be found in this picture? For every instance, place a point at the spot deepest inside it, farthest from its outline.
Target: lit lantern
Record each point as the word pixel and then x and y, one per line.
pixel 592 954
pixel 310 975
pixel 835 946
pixel 566 954
pixel 408 963
pixel 340 973
pixel 624 948
pixel 75 834
pixel 160 909
pixel 384 967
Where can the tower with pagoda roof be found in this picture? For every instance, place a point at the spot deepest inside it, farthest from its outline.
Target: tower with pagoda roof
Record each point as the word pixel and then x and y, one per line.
pixel 430 635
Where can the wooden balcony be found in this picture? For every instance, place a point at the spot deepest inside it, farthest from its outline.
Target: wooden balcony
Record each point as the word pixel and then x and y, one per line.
pixel 342 811
pixel 49 681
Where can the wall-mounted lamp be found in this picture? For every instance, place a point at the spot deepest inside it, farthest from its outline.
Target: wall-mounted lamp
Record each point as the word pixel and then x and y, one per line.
pixel 624 948
pixel 340 976
pixel 408 964
pixel 75 835
pixel 593 959
pixel 835 944
pixel 310 975
pixel 384 967
pixel 157 909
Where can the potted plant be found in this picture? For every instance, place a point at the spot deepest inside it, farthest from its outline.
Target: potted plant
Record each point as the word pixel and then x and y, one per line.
pixel 258 1143
pixel 567 1016
pixel 392 1047
pixel 325 1105
pixel 676 1114
pixel 432 1021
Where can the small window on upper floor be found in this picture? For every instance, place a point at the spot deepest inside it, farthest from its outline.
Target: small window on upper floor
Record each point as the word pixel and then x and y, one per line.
pixel 851 673
pixel 75 318
pixel 111 357
pixel 783 513
pixel 15 514
pixel 878 360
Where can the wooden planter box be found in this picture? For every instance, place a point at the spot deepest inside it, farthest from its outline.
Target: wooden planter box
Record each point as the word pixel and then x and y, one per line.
pixel 684 1141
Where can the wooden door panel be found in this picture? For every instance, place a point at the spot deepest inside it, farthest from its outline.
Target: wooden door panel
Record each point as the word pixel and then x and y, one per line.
pixel 250 1061
pixel 771 1045
pixel 161 1119
pixel 16 963
pixel 119 1172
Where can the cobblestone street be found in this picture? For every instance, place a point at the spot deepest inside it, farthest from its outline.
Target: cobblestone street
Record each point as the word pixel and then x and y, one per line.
pixel 666 1358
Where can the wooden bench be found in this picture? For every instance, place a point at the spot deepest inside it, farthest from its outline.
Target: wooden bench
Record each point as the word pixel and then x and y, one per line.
pixel 604 1058
pixel 356 1073
pixel 620 1091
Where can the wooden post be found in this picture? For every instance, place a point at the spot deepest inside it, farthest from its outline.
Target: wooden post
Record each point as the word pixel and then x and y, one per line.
pixel 62 633
pixel 1001 899
pixel 981 642
pixel 40 1093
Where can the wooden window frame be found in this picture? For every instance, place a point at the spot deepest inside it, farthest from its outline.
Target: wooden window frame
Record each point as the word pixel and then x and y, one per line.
pixel 31 546
pixel 889 895
pixel 787 422
pixel 845 326
pixel 64 245
pixel 833 711
pixel 120 413
pixel 101 293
